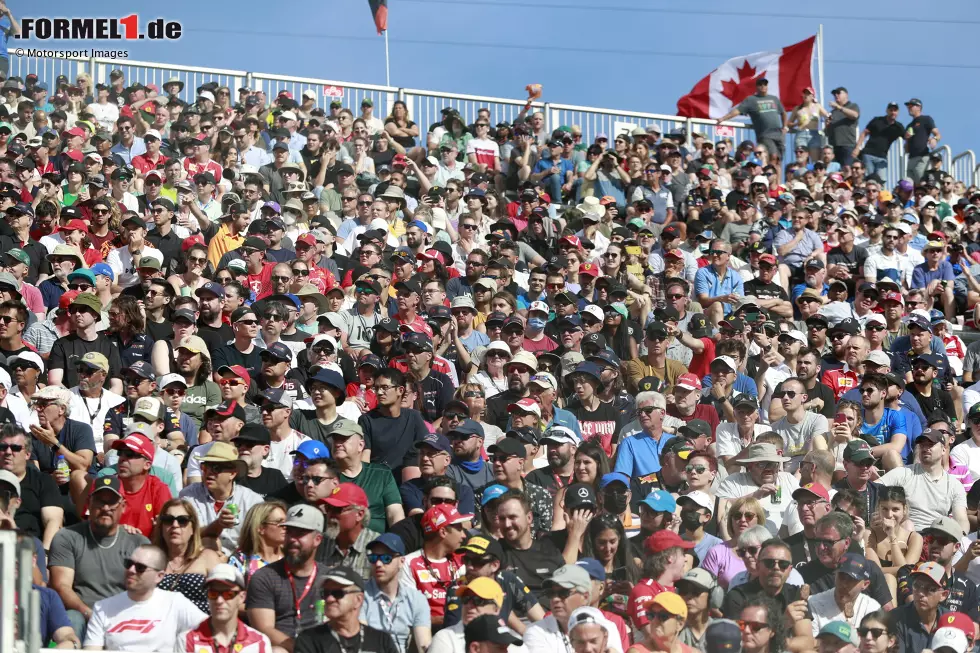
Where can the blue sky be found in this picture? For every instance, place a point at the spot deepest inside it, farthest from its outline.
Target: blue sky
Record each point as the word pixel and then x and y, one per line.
pixel 639 56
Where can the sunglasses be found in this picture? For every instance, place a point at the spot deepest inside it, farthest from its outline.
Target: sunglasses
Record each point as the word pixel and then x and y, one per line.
pixel 15 448
pixel 660 615
pixel 231 383
pixel 337 594
pixel 789 394
pixel 227 595
pixel 697 469
pixel 875 632
pixel 477 601
pixel 301 273
pixel 772 563
pixel 751 626
pixel 383 558
pixel 169 520
pixel 139 566
pixel 747 516
pixel 315 480
pixel 177 392
pixel 748 550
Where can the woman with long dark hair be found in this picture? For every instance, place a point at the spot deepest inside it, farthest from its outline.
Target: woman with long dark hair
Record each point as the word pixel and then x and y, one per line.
pixel 590 465
pixel 606 541
pixel 127 328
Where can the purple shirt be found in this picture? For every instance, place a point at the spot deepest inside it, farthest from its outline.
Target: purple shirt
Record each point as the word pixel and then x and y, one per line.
pixel 723 562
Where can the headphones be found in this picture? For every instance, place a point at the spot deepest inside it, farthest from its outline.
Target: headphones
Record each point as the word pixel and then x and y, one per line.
pixel 716 596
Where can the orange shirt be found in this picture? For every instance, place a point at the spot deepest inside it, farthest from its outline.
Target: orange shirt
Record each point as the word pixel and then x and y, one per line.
pixel 222 243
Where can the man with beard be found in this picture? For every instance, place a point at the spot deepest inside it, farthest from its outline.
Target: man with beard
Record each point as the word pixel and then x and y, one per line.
pixel 85 311
pixel 838 335
pixel 347 534
pixel 925 369
pixel 833 535
pixel 812 503
pixel 507 457
pixel 775 562
pixel 562 443
pixel 942 544
pixel 210 326
pixel 468 466
pixel 314 475
pixel 886 262
pixel 434 456
pixel 763 480
pixel 884 425
pixel 518 370
pixel 435 389
pixel 532 558
pixel 282 598
pixel 253 443
pixel 386 598
pixel 84 558
pixel 656 362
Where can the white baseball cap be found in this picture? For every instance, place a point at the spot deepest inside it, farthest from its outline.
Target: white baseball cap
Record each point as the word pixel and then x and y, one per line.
pixel 170 379
pixel 878 358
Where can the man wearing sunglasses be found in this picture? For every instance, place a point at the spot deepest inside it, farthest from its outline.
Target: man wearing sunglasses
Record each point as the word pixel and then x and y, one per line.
pixel 390 605
pixel 225 587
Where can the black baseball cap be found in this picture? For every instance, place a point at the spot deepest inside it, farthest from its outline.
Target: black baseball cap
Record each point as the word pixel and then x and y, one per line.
pixel 490 628
pixel 256 433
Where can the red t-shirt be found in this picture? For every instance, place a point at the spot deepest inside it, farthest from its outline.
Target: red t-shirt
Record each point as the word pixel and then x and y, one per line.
pixel 704 412
pixel 433 577
pixel 840 381
pixel 144 504
pixel 701 363
pixel 640 599
pixel 545 344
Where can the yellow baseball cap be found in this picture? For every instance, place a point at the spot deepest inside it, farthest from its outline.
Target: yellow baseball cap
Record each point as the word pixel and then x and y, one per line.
pixel 486 588
pixel 672 603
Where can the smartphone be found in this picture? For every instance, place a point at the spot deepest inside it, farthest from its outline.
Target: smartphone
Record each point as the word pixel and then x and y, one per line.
pixel 840 419
pixel 619 573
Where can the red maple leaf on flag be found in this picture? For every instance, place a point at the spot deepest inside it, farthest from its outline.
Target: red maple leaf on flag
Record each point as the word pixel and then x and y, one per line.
pixel 743 87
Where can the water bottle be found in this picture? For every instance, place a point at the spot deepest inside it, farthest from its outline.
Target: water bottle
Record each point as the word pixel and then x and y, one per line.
pixel 320 608
pixel 361 392
pixel 62 466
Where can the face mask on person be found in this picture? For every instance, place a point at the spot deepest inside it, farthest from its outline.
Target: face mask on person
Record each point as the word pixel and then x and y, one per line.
pixel 690 520
pixel 616 503
pixel 536 324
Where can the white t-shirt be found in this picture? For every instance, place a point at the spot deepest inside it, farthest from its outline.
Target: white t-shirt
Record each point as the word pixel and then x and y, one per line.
pixel 121 262
pixel 486 151
pixel 281 453
pixel 93 411
pixel 105 114
pixel 824 609
pixel 120 624
pixel 727 440
pixel 741 484
pixel 972 569
pixel 928 499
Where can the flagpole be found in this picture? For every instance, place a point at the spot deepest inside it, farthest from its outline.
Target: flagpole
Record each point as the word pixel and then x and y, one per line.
pixel 819 61
pixel 387 62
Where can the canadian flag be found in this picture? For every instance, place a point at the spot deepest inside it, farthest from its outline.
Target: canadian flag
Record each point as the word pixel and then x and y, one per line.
pixel 788 72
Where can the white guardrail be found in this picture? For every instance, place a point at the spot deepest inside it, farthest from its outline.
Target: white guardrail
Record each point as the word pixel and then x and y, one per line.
pixel 424 106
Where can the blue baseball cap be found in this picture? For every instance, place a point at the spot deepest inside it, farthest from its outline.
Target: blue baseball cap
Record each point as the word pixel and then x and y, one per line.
pixel 660 501
pixel 594 567
pixel 332 379
pixel 278 351
pixel 103 270
pixel 437 441
pixel 212 287
pixel 467 428
pixel 390 540
pixel 590 369
pixel 286 298
pixel 492 492
pixel 313 450
pixel 419 224
pixel 613 477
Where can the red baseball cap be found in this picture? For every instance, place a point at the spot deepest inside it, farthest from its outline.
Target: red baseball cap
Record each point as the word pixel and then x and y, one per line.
pixel 957 620
pixel 190 241
pixel 815 489
pixel 307 239
pixel 137 443
pixel 238 371
pixel 674 253
pixel 892 297
pixel 441 516
pixel 76 131
pixel 688 381
pixel 67 299
pixel 75 225
pixel 74 155
pixel 768 258
pixel 606 200
pixel 665 539
pixel 589 269
pixel 571 240
pixel 347 494
pixel 431 255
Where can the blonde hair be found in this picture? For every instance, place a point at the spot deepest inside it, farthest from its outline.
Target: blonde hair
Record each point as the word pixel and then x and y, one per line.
pixel 248 541
pixel 194 545
pixel 746 504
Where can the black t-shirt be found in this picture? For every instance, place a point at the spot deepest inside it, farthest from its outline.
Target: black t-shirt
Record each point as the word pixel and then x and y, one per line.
pixel 37 491
pixel 410 530
pixel 161 330
pixel 535 564
pixel 169 246
pixel 291 386
pixel 820 391
pixel 771 290
pixel 921 129
pixel 854 262
pixel 869 497
pixel 13 352
pixel 731 200
pixel 68 350
pixel 288 495
pixel 544 477
pixel 269 481
pixel 322 639
pixel 229 355
pixel 881 135
pixel 215 337
pixel 76 436
pixel 938 401
pixel 392 439
pixel 737 597
pixel 603 424
pixel 435 391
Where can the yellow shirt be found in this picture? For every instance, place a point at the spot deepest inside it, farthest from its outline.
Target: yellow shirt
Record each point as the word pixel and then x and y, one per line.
pixel 222 243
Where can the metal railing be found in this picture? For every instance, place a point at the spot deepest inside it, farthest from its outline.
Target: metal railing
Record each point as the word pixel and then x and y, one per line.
pixel 425 107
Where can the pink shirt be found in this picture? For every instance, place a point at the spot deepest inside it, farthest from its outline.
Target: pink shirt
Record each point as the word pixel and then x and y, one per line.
pixel 32 298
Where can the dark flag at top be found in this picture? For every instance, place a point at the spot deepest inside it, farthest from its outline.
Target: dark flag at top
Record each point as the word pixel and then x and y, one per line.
pixel 379 9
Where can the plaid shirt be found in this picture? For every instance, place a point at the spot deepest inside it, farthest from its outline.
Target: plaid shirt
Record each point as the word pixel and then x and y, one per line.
pixel 356 556
pixel 41 336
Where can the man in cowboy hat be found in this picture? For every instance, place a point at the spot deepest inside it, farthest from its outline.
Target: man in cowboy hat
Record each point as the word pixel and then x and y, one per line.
pixel 219 501
pixel 763 479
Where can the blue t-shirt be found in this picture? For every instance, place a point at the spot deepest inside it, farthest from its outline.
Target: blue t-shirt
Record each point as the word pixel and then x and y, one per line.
pixel 640 455
pixel 6 27
pixel 907 401
pixel 923 276
pixel 53 613
pixel 891 422
pixel 564 166
pixel 743 384
pixel 475 339
pixel 706 282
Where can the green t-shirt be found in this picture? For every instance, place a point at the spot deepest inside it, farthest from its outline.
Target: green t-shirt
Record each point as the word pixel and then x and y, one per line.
pixel 379 485
pixel 305 422
pixel 199 398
